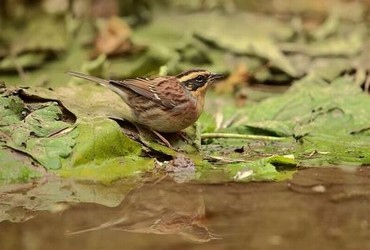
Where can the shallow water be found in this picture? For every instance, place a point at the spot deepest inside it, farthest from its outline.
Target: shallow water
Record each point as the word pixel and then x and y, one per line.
pixel 318 209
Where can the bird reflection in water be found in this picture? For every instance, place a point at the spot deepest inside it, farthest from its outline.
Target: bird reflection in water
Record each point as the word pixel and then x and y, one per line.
pixel 162 208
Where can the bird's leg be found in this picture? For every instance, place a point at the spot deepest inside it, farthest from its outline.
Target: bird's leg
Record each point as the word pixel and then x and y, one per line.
pixel 161 137
pixel 183 136
pixel 144 133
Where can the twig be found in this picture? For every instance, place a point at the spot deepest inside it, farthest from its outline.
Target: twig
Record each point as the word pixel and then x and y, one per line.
pixel 239 136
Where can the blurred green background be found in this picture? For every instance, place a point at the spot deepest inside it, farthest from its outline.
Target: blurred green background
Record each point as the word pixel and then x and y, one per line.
pixel 259 42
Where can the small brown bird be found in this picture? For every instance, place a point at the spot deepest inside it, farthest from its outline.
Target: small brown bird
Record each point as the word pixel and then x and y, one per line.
pixel 163 104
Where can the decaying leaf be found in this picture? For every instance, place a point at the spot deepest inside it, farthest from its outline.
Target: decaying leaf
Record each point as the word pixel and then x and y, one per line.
pixel 20 201
pixel 104 153
pixel 314 113
pixel 115 38
pixel 34 128
pixel 16 168
pixel 98 101
pixel 93 149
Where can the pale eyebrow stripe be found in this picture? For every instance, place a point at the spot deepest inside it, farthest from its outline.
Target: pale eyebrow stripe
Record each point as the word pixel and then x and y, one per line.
pixel 189 72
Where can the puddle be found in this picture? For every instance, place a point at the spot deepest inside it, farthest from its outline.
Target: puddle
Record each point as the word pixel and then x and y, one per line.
pixel 322 208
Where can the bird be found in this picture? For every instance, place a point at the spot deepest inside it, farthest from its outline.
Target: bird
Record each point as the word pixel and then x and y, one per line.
pixel 164 104
pixel 158 208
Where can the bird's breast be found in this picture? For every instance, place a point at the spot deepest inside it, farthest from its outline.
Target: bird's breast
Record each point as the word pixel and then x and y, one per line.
pixel 172 120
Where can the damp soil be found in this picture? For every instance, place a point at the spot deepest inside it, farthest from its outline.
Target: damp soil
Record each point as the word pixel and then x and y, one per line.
pixel 320 208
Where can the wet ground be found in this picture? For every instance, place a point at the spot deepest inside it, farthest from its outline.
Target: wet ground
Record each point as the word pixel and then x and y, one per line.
pixel 318 209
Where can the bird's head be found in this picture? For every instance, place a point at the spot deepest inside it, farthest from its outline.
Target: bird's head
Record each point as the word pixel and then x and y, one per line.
pixel 198 81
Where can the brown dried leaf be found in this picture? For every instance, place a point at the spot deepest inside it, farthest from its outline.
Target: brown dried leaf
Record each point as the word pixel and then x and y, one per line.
pixel 114 38
pixel 237 78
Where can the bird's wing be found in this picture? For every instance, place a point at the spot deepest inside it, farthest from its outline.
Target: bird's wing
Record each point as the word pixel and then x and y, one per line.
pixel 166 91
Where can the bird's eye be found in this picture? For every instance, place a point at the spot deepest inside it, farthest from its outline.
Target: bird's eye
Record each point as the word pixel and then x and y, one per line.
pixel 201 79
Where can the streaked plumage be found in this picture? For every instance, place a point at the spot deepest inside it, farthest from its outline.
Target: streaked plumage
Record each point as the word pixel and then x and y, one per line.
pixel 164 104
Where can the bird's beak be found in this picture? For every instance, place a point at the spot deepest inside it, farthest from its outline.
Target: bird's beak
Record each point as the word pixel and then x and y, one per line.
pixel 215 77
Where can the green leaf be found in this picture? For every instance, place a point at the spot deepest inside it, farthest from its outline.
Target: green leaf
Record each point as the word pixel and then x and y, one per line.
pixel 265 169
pixel 274 128
pixel 10 110
pixel 49 151
pixel 324 149
pixel 207 122
pixel 85 100
pixel 329 27
pixel 104 153
pixel 34 129
pixel 183 40
pixel 316 113
pixel 28 60
pixel 51 36
pixel 257 40
pixel 14 168
pixel 335 45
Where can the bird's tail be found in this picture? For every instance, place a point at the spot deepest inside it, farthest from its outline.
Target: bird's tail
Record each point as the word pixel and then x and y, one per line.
pixel 106 83
pixel 101 81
